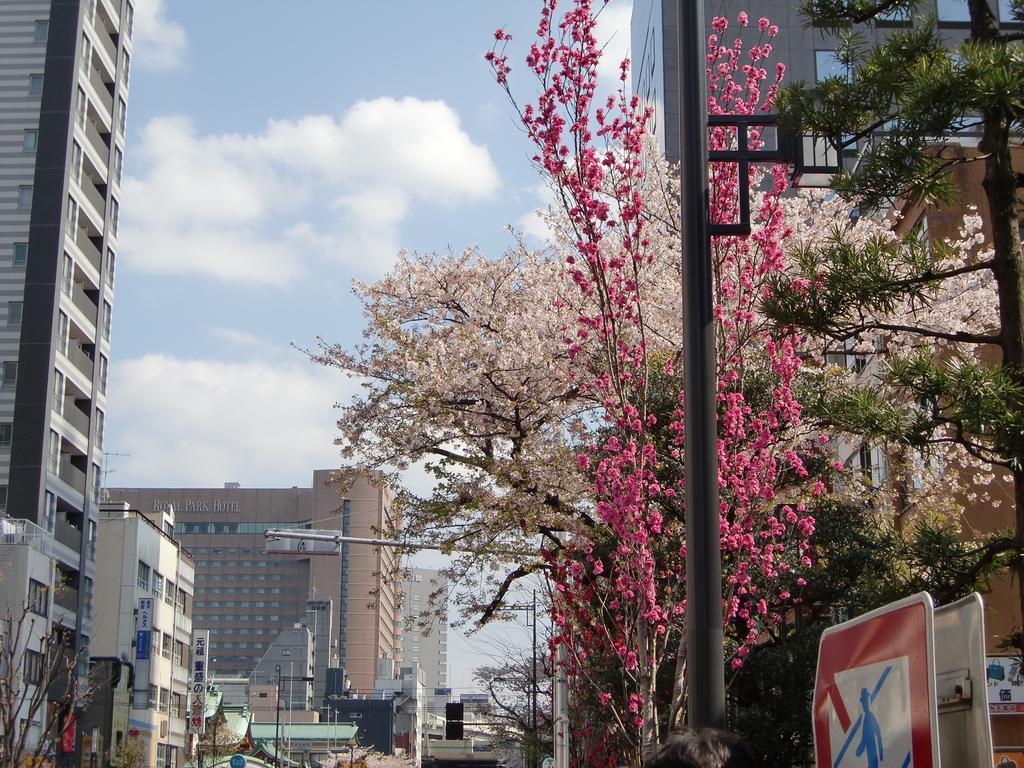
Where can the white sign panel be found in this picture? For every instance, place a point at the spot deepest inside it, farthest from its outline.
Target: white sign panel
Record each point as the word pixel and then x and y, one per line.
pixel 1004 681
pixel 874 698
pixel 197 680
pixel 145 621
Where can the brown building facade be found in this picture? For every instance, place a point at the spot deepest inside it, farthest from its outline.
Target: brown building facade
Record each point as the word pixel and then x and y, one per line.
pixel 246 597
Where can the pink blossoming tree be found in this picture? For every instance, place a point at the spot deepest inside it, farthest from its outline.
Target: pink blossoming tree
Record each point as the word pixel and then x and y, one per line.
pixel 621 587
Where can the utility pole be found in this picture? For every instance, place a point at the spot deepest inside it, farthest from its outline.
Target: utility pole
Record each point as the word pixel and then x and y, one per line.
pixel 536 741
pixel 277 720
pixel 705 672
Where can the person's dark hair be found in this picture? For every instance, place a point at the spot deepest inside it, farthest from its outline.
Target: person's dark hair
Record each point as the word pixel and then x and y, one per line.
pixel 703 748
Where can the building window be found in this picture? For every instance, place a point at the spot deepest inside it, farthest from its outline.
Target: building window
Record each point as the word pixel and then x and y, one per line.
pixel 92 537
pixel 953 10
pixel 76 163
pixel 103 374
pixel 122 115
pixel 5 435
pixel 827 64
pixel 182 604
pixel 42 30
pixel 153 697
pixel 53 455
pixel 38 598
pixel 169 593
pixel 90 9
pixel 118 164
pixel 165 649
pixel 49 511
pixel 35 85
pixel 115 211
pixel 176 709
pixel 108 275
pixel 81 107
pixel 107 319
pixel 9 373
pixel 129 19
pixel 126 65
pixel 158 584
pixel 97 482
pixel 71 225
pixel 30 140
pixel 3 498
pixel 86 54
pixel 14 310
pixel 179 653
pixel 87 595
pixel 20 254
pixel 33 667
pixel 62 333
pixel 99 428
pixel 25 196
pixel 67 275
pixel 143 575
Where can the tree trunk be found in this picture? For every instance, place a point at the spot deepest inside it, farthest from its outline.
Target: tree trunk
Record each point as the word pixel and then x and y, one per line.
pixel 647 670
pixel 677 711
pixel 1001 193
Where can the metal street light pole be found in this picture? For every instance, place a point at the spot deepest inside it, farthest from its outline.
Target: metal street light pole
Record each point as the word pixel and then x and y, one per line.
pixel 533 690
pixel 705 673
pixel 277 721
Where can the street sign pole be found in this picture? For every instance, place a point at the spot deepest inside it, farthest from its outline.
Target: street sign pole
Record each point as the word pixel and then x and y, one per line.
pixel 705 670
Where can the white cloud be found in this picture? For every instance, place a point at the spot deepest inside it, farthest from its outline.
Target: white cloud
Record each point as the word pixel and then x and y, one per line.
pixel 159 43
pixel 532 223
pixel 196 422
pixel 237 337
pixel 613 35
pixel 237 207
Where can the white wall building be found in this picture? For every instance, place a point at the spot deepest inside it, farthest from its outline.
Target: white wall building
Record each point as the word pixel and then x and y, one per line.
pixel 139 560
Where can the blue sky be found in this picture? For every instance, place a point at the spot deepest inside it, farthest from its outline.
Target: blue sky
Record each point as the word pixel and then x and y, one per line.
pixel 275 152
pixel 271 158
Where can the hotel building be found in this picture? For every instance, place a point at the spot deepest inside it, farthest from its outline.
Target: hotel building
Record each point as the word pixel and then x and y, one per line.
pixel 246 597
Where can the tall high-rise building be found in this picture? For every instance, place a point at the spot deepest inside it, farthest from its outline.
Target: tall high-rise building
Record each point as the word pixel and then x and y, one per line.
pixel 247 597
pixel 425 625
pixel 63 100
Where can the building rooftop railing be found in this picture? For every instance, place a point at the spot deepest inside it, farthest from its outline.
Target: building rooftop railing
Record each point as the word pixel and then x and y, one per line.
pixel 17 532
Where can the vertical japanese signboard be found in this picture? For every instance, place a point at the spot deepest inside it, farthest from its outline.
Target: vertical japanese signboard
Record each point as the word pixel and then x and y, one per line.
pixel 197 681
pixel 143 644
pixel 143 628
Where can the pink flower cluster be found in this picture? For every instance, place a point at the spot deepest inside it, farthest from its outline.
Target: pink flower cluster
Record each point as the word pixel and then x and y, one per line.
pixel 622 591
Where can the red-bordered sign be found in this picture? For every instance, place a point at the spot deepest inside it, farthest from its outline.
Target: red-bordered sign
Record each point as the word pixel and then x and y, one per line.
pixel 874 695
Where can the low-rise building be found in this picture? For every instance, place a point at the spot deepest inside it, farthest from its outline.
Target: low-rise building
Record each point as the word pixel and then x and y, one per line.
pixel 144 615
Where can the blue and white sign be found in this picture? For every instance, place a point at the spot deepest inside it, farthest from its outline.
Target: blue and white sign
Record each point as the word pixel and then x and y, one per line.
pixel 143 628
pixel 237 761
pixel 879 736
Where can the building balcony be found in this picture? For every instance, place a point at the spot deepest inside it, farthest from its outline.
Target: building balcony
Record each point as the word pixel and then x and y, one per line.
pixel 78 357
pixel 98 143
pixel 73 416
pixel 25 533
pixel 106 45
pixel 102 92
pixel 69 536
pixel 66 597
pixel 71 475
pixel 94 196
pixel 90 251
pixel 87 306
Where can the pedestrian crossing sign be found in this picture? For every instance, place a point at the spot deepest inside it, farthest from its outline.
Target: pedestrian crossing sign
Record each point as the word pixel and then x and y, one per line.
pixel 874 695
